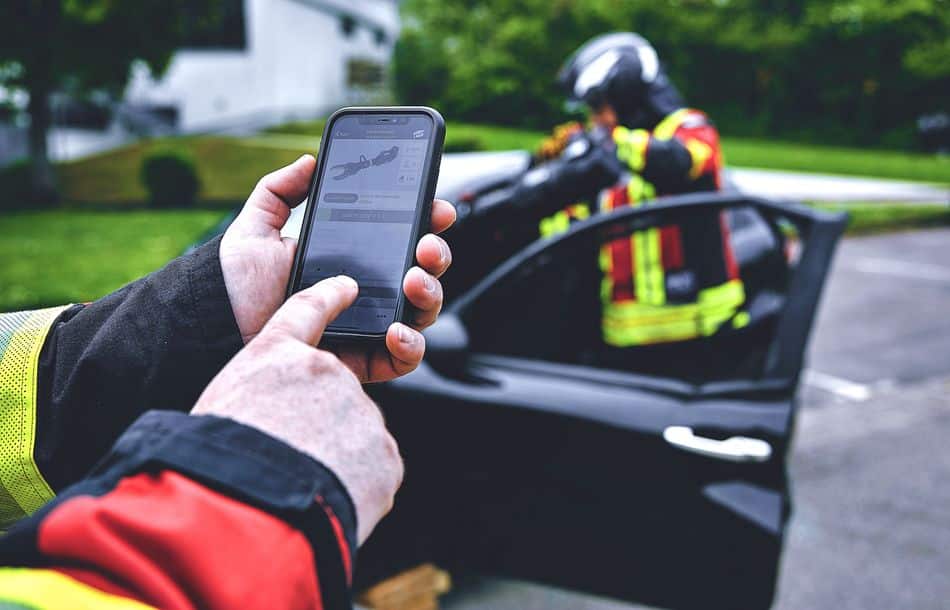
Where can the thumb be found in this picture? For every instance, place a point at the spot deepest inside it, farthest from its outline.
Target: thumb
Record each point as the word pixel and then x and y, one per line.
pixel 307 313
pixel 269 205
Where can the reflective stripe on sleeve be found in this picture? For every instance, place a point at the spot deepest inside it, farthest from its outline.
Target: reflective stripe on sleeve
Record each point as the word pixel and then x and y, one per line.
pixel 632 146
pixel 48 589
pixel 699 153
pixel 23 489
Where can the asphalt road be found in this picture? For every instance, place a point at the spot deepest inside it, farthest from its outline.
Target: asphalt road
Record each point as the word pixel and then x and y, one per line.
pixel 870 466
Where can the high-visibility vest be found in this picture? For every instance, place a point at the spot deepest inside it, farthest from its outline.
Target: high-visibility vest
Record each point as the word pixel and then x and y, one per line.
pixel 636 306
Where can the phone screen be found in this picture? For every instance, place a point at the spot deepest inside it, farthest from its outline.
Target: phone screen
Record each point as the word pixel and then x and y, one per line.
pixel 366 202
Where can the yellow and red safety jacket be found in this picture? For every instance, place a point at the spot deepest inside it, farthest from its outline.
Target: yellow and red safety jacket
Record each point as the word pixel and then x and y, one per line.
pixel 109 503
pixel 670 283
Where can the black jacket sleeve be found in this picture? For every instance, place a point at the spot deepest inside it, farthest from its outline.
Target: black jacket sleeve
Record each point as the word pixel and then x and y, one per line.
pixel 153 344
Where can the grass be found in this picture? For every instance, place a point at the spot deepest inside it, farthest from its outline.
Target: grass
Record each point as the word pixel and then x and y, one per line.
pixel 69 256
pixel 227 169
pixel 870 218
pixel 789 156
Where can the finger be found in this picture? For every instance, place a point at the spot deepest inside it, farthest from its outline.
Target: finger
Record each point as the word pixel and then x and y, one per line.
pixel 425 294
pixel 443 215
pixel 433 254
pixel 406 349
pixel 269 205
pixel 306 314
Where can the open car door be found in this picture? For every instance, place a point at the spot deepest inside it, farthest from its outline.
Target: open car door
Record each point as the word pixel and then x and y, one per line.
pixel 528 456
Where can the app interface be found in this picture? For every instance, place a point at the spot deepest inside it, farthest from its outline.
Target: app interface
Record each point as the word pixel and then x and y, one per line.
pixel 365 206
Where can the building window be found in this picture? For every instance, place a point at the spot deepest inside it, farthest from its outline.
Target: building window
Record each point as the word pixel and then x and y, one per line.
pixel 348 25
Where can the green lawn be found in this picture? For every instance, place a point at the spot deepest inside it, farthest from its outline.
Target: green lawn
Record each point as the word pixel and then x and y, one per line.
pixel 70 256
pixel 227 168
pixel 877 217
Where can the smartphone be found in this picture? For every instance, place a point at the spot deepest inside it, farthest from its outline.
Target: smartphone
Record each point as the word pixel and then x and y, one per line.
pixel 369 204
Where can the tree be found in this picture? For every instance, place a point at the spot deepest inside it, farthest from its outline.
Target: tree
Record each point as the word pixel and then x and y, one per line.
pixel 78 46
pixel 849 71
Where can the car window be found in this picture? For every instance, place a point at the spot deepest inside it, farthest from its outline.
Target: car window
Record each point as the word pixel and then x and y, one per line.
pixel 552 307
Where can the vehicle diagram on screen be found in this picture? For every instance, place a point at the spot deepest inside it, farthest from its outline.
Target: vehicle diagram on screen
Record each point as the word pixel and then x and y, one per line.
pixel 348 169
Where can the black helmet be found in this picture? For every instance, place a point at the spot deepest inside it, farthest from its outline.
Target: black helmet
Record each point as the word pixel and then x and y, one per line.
pixel 621 69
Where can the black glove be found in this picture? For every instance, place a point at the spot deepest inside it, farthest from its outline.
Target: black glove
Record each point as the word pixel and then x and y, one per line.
pixel 583 169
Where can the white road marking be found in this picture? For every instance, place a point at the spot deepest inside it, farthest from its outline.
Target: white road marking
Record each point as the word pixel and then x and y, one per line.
pixel 836 385
pixel 904 269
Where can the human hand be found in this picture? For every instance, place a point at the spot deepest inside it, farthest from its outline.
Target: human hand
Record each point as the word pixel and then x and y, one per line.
pixel 256 262
pixel 280 384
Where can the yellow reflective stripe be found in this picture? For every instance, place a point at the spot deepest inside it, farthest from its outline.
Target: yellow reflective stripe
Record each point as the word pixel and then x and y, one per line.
pixel 640 267
pixel 51 590
pixel 560 222
pixel 23 489
pixel 668 126
pixel 632 146
pixel 699 152
pixel 656 278
pixel 741 320
pixel 579 211
pixel 637 323
pixel 648 273
pixel 554 224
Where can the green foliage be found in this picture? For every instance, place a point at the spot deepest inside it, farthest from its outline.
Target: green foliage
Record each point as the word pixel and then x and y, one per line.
pixel 15 187
pixel 82 45
pixel 848 71
pixel 170 179
pixel 70 256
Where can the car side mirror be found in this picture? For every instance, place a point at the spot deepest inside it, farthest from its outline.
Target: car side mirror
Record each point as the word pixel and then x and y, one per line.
pixel 447 343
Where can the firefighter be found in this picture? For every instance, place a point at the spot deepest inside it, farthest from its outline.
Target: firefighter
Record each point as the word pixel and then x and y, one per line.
pixel 254 484
pixel 665 284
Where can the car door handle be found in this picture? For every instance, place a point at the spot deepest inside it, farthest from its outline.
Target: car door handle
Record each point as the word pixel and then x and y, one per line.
pixel 733 449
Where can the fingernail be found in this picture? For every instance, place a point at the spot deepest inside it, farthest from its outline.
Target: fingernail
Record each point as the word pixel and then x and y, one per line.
pixel 407 335
pixel 347 280
pixel 429 282
pixel 443 251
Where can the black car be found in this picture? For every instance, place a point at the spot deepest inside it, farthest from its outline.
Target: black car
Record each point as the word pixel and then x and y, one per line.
pixel 527 455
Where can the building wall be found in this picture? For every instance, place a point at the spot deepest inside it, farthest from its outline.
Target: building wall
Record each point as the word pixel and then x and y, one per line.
pixel 294 65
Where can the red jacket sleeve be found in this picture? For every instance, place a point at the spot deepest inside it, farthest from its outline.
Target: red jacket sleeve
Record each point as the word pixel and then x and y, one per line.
pixel 188 512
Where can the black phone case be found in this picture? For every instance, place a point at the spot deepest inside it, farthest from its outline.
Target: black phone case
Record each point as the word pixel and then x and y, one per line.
pixel 420 224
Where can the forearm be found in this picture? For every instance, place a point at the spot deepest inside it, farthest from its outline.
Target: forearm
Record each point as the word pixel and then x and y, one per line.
pixel 191 512
pixel 79 376
pixel 686 161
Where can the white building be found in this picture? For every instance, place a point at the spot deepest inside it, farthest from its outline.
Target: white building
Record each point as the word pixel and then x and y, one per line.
pixel 296 59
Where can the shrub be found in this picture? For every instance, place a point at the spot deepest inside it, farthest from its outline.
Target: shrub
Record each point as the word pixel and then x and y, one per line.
pixel 171 180
pixel 15 191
